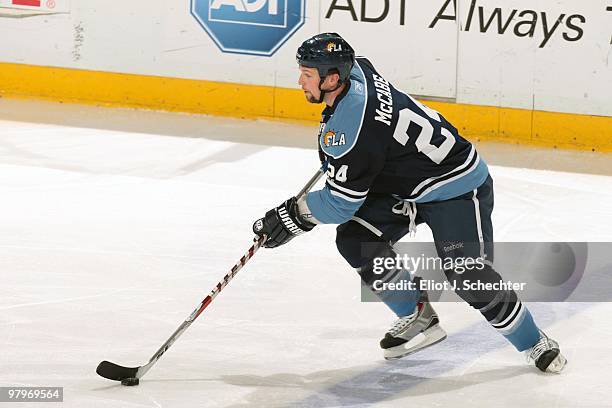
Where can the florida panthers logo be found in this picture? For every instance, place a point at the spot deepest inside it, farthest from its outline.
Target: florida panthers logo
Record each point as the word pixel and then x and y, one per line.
pixel 331 47
pixel 331 138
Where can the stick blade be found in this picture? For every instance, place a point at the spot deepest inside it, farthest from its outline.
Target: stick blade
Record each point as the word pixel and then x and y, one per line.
pixel 116 372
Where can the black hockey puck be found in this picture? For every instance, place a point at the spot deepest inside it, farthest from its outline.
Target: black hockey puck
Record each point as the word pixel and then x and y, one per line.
pixel 130 381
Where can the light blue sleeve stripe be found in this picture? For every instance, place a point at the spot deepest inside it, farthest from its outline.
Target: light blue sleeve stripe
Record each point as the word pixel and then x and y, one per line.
pixel 330 209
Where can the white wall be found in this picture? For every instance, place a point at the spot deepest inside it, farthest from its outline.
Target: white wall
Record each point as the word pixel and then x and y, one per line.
pixel 417 59
pixel 527 72
pixel 445 59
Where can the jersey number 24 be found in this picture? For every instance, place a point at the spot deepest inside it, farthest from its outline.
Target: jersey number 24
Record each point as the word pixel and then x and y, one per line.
pixel 423 141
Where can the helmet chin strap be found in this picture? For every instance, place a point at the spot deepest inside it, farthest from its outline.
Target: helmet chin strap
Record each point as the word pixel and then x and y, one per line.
pixel 322 96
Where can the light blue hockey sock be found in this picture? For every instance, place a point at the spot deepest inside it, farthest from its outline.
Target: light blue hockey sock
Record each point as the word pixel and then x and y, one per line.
pixel 401 302
pixel 524 333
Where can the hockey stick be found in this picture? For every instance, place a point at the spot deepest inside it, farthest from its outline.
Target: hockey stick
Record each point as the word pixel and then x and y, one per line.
pixel 131 375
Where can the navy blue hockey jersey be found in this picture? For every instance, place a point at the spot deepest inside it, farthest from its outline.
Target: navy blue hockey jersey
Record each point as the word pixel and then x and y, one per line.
pixel 379 140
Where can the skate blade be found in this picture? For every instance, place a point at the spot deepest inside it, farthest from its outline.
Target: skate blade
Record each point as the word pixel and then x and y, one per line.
pixel 433 335
pixel 557 365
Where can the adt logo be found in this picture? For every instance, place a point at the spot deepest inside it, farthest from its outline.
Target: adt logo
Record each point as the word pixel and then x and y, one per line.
pixel 256 27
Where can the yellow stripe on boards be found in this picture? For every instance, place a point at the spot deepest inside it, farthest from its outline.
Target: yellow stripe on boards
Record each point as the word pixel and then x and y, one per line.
pixel 138 91
pixel 550 129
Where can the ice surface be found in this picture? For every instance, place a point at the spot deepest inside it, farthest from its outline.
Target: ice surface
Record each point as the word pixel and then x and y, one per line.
pixel 109 239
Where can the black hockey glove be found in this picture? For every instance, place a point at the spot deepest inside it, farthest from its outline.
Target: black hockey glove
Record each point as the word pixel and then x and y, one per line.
pixel 281 224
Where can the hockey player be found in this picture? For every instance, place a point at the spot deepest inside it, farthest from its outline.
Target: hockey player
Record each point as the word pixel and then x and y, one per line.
pixel 393 163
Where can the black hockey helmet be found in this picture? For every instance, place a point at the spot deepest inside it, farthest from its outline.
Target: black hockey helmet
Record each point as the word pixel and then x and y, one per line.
pixel 327 52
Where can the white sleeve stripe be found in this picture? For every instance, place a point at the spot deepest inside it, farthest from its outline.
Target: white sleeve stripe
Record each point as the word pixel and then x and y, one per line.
pixel 346 190
pixel 345 197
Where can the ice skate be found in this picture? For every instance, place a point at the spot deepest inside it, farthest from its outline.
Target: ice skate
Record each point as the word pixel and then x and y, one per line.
pixel 412 333
pixel 546 356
